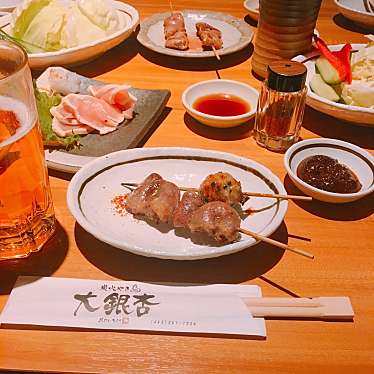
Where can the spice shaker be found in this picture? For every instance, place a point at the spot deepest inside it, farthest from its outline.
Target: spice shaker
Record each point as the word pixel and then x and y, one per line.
pixel 281 104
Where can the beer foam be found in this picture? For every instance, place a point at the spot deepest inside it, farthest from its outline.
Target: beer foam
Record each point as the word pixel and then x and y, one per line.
pixel 25 117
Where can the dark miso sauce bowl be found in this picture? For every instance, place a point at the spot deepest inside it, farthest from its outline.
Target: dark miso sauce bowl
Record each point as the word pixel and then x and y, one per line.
pixel 359 161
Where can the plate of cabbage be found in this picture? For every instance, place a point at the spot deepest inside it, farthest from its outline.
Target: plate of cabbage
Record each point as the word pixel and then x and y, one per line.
pixel 352 100
pixel 68 32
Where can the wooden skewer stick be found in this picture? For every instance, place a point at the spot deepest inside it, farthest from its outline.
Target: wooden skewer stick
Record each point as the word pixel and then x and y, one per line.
pixel 216 53
pixel 287 197
pixel 171 7
pixel 276 243
pixel 254 194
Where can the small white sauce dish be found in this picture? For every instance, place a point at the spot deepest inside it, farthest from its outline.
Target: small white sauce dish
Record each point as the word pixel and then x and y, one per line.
pixel 220 86
pixel 359 161
pixel 358 11
pixel 253 8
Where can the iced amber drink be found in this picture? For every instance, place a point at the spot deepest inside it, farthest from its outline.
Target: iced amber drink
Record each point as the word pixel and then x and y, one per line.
pixel 26 211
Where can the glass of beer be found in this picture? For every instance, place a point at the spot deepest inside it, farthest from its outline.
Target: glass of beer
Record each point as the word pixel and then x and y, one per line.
pixel 26 211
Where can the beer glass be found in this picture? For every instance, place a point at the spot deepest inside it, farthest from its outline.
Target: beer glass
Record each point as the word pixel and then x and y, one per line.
pixel 26 211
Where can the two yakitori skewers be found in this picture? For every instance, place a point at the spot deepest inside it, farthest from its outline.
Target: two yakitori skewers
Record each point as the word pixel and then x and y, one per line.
pixel 209 211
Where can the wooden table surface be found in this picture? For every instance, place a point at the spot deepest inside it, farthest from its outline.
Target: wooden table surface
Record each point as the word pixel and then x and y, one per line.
pixel 340 236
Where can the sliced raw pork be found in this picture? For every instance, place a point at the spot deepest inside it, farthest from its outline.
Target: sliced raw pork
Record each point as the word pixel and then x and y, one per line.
pixel 64 130
pixel 117 95
pixel 76 110
pixel 103 110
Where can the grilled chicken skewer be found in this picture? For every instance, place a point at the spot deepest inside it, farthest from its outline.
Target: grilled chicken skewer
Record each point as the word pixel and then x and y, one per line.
pixel 219 220
pixel 175 32
pixel 190 202
pixel 224 187
pixel 158 200
pixel 210 36
pixel 155 199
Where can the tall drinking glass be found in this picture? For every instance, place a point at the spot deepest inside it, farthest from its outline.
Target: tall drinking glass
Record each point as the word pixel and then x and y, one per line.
pixel 285 29
pixel 26 211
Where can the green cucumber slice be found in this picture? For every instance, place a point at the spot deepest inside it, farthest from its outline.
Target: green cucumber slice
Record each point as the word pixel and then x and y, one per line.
pixel 328 73
pixel 321 88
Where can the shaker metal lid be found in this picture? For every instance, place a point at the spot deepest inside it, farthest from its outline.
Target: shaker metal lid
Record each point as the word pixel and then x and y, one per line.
pixel 286 75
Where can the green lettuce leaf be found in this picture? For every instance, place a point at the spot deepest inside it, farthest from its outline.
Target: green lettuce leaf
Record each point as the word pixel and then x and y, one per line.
pixel 44 103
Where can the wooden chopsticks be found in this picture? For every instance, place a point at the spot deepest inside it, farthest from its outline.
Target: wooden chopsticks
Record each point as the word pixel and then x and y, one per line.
pixel 285 307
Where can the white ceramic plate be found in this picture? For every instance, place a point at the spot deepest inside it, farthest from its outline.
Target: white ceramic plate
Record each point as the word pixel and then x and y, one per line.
pixel 85 52
pixel 91 190
pixel 355 11
pixel 355 158
pixel 236 34
pixel 350 113
pixel 253 8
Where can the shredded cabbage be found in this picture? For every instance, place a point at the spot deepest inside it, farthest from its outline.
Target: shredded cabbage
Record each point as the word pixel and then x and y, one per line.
pixel 362 63
pixel 100 13
pixel 55 24
pixel 361 91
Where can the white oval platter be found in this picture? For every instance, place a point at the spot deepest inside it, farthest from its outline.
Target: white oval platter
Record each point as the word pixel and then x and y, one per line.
pixel 93 187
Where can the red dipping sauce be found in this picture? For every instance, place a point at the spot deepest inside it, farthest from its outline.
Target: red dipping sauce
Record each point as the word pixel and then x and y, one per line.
pixel 223 105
